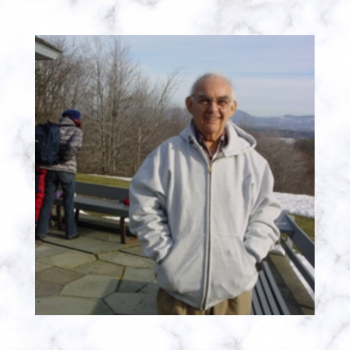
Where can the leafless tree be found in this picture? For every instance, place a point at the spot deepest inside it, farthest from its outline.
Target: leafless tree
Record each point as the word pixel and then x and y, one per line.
pixel 58 83
pixel 151 112
pixel 125 115
pixel 288 164
pixel 110 84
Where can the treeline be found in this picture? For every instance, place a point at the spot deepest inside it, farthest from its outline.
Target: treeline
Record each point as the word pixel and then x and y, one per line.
pixel 125 115
pixel 294 134
pixel 292 164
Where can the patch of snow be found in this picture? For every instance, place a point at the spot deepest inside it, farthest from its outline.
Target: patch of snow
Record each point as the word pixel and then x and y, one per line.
pixel 113 177
pixel 298 204
pixel 288 140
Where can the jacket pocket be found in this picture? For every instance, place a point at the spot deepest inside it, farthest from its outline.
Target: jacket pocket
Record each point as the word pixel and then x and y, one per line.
pixel 249 258
pixel 182 269
pixel 232 268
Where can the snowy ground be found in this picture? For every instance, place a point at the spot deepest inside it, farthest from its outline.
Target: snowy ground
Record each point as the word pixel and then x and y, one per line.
pixel 298 204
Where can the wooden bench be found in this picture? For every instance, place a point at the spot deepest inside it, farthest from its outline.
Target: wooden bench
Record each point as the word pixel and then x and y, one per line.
pixel 267 299
pixel 296 236
pixel 101 199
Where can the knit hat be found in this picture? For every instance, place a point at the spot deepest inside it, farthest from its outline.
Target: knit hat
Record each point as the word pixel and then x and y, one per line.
pixel 71 113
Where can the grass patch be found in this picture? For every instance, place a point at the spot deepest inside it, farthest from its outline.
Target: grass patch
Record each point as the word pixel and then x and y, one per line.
pixel 102 180
pixel 307 225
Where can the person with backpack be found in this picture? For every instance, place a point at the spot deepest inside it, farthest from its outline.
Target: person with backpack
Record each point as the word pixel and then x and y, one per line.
pixel 61 173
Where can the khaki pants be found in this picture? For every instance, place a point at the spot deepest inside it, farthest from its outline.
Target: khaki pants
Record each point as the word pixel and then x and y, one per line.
pixel 167 305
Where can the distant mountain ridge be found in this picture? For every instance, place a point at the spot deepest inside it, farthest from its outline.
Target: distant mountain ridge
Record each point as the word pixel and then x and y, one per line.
pixel 285 122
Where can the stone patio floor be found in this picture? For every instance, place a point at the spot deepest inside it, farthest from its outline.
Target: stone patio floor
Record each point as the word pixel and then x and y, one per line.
pixel 94 274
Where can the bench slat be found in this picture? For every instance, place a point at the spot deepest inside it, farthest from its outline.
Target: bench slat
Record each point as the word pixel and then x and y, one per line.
pixel 270 297
pixel 262 298
pixel 299 265
pixel 277 294
pixel 86 202
pixel 101 191
pixel 304 243
pixel 256 309
pixel 107 207
pixel 267 299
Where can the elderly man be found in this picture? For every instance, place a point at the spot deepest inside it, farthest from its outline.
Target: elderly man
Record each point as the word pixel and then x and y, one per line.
pixel 203 209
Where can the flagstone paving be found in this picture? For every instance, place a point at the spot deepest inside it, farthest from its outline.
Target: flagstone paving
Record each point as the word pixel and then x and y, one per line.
pixel 91 286
pixel 45 250
pixel 39 266
pixel 106 237
pixel 45 288
pixel 101 268
pixel 92 275
pixel 134 250
pixel 68 259
pixel 132 303
pixel 86 244
pixel 134 279
pixel 125 259
pixel 58 275
pixel 63 305
pixel 151 288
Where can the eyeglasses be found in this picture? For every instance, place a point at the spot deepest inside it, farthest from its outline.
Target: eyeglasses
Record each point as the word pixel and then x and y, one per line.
pixel 205 101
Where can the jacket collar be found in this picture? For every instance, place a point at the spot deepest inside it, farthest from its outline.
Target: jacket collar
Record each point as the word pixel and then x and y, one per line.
pixel 238 140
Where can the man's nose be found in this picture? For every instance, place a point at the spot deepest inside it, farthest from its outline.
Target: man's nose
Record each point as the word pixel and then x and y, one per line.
pixel 213 106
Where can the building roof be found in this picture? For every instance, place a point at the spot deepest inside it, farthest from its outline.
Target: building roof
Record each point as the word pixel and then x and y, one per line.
pixel 44 50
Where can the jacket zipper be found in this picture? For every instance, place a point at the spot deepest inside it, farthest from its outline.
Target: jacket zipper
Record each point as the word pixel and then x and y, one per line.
pixel 208 240
pixel 210 169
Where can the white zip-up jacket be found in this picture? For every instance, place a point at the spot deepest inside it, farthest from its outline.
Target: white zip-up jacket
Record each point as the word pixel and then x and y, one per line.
pixel 205 225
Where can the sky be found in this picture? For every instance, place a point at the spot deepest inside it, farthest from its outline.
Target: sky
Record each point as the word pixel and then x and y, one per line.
pixel 272 75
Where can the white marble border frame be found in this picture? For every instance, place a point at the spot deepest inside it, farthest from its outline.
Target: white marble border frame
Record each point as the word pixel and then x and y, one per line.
pixel 328 21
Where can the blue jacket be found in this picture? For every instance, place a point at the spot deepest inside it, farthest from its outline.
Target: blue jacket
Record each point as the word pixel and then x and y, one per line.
pixel 205 225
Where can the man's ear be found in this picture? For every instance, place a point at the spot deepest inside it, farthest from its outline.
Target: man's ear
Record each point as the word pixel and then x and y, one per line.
pixel 189 103
pixel 233 107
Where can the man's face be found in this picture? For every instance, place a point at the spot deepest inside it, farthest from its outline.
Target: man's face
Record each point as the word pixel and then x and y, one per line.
pixel 211 107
